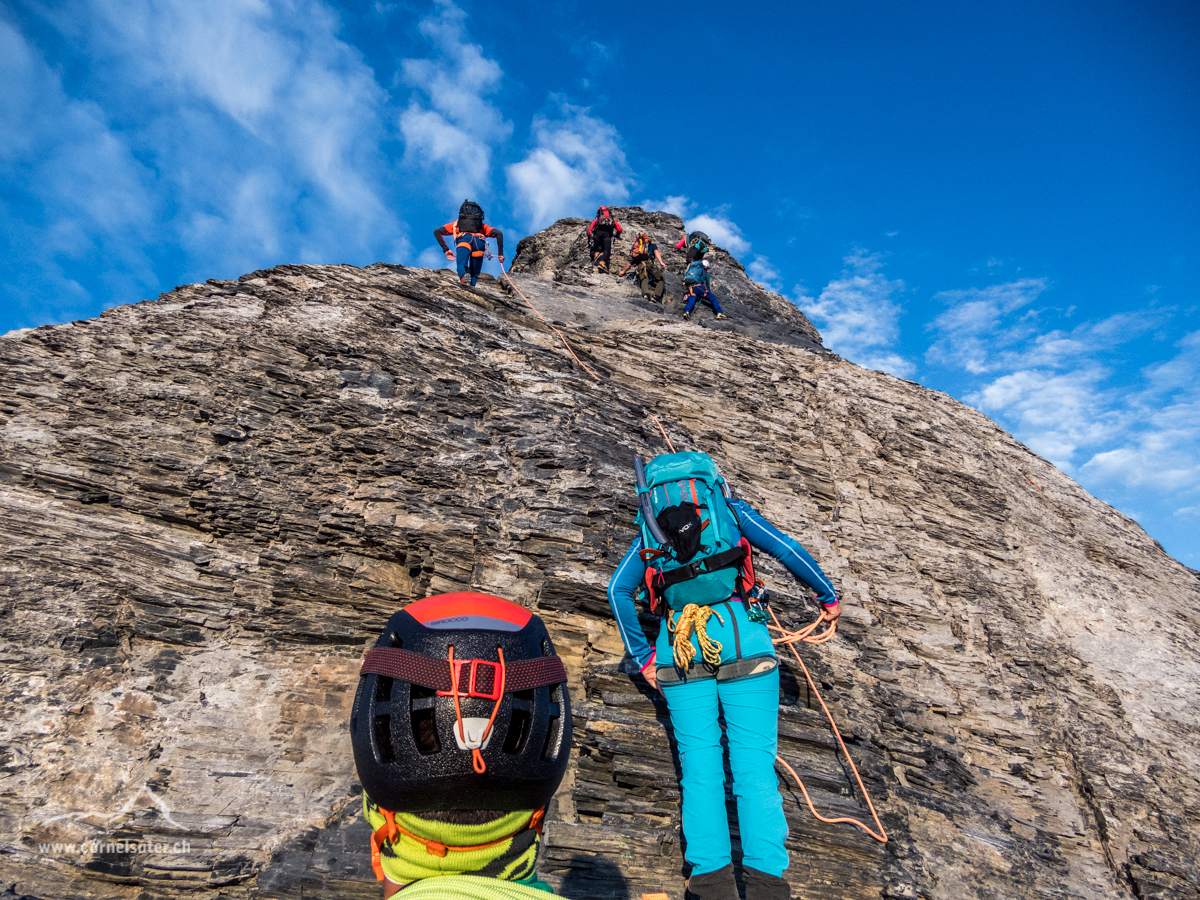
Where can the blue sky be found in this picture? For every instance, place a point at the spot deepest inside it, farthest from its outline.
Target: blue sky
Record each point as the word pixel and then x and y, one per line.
pixel 998 200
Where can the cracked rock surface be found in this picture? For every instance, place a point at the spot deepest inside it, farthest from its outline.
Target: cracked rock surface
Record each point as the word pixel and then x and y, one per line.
pixel 210 504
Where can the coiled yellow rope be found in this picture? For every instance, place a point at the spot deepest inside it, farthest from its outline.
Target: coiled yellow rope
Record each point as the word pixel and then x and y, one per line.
pixel 694 618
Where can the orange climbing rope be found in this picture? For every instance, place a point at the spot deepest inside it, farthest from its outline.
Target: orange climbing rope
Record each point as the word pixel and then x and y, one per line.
pixel 663 430
pixel 807 635
pixel 556 331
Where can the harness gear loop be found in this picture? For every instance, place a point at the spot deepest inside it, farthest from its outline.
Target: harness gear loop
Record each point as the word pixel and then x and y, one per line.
pixel 389 831
pixel 477 761
pixel 694 618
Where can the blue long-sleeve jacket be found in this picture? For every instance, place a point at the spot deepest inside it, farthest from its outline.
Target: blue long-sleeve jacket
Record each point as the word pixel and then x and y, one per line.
pixel 762 535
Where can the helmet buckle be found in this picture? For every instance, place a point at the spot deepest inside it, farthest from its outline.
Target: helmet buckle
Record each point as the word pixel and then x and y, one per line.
pixel 473 680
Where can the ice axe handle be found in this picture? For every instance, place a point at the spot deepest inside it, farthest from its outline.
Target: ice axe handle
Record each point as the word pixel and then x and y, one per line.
pixel 644 500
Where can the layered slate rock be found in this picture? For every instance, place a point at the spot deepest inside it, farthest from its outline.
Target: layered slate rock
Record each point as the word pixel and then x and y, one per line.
pixel 212 502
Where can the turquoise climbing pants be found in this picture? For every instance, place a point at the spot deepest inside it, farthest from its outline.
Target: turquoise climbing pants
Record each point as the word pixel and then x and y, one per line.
pixel 751 709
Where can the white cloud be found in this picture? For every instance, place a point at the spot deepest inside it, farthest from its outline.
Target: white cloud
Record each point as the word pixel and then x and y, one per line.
pixel 576 164
pixel 77 191
pixel 433 258
pixel 722 230
pixel 858 314
pixel 1055 388
pixel 1054 413
pixel 451 130
pixel 676 206
pixel 764 273
pixel 969 331
pixel 243 133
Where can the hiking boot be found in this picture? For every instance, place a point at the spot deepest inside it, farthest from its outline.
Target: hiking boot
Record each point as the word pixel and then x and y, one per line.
pixel 687 315
pixel 463 279
pixel 718 885
pixel 761 886
pixel 722 316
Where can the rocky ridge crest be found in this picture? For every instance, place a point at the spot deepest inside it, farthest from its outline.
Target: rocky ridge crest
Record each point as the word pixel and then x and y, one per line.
pixel 211 502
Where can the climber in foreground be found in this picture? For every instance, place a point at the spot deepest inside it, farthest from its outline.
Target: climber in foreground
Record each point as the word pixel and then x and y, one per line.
pixel 697 244
pixel 462 732
pixel 470 236
pixel 650 268
pixel 713 655
pixel 601 233
pixel 697 285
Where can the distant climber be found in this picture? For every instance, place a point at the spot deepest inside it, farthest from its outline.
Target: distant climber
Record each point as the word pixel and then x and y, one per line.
pixel 601 233
pixel 461 732
pixel 697 285
pixel 470 236
pixel 650 268
pixel 713 656
pixel 697 243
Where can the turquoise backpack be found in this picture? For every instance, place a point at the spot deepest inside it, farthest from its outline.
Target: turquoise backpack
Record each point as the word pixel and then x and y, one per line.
pixel 692 541
pixel 694 274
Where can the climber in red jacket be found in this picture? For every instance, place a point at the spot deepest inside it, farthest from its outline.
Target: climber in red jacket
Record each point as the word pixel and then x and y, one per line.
pixel 601 232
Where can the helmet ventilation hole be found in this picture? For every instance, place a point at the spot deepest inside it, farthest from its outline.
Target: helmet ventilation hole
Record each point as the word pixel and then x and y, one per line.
pixel 554 726
pixel 518 724
pixel 424 720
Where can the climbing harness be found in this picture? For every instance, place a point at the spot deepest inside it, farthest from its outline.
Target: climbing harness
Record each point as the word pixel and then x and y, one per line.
pixel 809 634
pixel 694 619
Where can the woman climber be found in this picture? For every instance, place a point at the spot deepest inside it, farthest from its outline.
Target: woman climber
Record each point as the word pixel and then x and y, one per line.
pixel 713 656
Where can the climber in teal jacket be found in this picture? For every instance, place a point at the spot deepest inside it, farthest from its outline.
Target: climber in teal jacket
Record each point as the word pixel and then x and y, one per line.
pixel 745 687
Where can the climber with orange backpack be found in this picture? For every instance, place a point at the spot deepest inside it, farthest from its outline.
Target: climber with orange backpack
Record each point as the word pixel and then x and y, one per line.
pixel 714 656
pixel 461 732
pixel 651 274
pixel 602 231
pixel 470 236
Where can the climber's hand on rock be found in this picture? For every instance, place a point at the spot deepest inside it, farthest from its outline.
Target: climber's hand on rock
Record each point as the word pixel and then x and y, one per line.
pixel 832 612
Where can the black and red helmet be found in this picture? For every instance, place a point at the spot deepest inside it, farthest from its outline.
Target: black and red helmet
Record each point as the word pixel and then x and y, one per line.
pixel 495 736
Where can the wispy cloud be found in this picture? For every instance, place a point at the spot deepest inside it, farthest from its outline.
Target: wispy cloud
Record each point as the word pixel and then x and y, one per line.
pixel 1054 413
pixel 450 126
pixel 675 205
pixel 1068 393
pixel 764 273
pixel 577 162
pixel 858 314
pixel 970 330
pixel 1161 447
pixel 77 192
pixel 232 134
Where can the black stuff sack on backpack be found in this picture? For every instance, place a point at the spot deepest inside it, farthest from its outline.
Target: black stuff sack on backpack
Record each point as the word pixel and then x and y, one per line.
pixel 470 217
pixel 682 526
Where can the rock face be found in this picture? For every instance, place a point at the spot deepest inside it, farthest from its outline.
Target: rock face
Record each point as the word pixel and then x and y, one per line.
pixel 212 502
pixel 559 255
